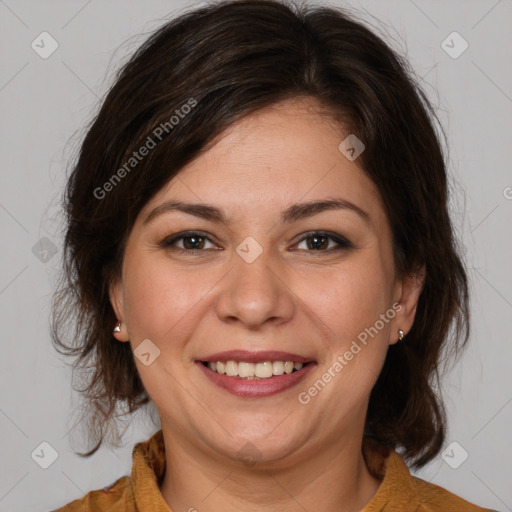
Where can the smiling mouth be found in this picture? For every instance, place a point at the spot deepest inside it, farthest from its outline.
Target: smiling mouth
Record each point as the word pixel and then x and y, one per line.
pixel 255 371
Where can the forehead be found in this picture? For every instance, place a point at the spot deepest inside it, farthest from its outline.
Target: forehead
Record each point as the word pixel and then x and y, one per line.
pixel 280 155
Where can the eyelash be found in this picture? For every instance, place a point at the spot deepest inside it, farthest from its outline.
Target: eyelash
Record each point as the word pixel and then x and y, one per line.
pixel 169 243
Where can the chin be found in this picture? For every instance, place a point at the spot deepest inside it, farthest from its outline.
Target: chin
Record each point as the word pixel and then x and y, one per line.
pixel 260 449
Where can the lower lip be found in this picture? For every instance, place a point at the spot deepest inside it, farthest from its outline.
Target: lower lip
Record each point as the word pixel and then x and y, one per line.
pixel 251 388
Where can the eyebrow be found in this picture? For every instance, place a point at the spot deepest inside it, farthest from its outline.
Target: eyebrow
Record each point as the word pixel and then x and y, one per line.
pixel 291 214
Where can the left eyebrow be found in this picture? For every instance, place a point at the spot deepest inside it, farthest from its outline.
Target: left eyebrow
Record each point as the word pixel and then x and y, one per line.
pixel 293 213
pixel 303 210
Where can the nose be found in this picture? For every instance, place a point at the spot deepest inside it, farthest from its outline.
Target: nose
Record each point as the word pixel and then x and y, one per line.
pixel 255 294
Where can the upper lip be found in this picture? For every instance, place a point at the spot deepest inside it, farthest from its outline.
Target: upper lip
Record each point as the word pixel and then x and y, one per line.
pixel 255 357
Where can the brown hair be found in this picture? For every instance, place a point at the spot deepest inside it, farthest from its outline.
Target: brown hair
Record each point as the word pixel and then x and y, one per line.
pixel 226 61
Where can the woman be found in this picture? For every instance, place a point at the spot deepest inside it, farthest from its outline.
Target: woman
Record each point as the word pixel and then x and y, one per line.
pixel 259 243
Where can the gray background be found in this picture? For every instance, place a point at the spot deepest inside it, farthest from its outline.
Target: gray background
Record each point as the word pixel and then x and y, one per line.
pixel 45 105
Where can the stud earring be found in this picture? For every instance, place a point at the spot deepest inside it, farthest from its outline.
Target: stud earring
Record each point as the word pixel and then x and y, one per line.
pixel 117 328
pixel 400 335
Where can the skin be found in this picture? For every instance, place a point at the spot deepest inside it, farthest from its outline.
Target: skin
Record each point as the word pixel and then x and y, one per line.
pixel 292 298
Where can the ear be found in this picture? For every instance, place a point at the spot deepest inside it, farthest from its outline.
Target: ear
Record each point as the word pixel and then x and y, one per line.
pixel 407 294
pixel 117 301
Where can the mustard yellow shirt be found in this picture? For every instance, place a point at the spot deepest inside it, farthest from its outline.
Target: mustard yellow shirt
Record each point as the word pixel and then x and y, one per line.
pixel 399 490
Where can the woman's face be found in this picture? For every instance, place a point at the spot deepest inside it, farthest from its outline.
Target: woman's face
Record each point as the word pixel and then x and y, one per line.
pixel 274 275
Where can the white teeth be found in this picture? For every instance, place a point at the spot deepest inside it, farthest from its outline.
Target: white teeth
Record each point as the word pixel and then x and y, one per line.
pixel 232 368
pixel 278 367
pixel 246 370
pixel 263 370
pixel 288 367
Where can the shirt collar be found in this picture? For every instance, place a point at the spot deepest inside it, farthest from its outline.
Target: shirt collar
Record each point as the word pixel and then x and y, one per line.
pixel 397 489
pixel 147 472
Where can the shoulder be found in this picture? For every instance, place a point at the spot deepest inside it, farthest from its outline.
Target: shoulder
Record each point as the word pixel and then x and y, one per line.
pixel 141 487
pixel 433 498
pixel 114 498
pixel 400 490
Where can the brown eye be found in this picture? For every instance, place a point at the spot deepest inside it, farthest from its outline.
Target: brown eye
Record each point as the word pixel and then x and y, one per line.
pixel 193 242
pixel 319 242
pixel 190 241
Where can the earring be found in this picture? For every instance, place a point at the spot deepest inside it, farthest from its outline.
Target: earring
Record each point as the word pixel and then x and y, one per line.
pixel 400 335
pixel 117 328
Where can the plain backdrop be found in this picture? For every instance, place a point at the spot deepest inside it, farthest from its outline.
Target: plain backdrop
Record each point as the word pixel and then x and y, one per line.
pixel 46 104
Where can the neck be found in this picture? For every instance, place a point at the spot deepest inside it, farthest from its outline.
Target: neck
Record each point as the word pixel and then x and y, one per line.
pixel 333 479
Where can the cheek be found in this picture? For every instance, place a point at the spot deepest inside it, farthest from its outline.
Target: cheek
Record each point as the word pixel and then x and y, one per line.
pixel 351 298
pixel 159 298
pixel 351 303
